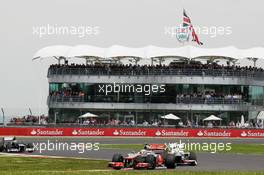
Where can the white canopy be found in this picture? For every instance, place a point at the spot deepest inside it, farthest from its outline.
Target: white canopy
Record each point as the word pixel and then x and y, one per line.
pixel 256 52
pixel 154 51
pixel 170 117
pixel 121 51
pixel 88 115
pixel 86 51
pixel 53 51
pixel 242 121
pixel 260 115
pixel 148 52
pixel 211 118
pixel 224 52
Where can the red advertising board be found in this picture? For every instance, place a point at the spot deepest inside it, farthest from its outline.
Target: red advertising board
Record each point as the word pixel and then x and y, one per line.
pixel 134 132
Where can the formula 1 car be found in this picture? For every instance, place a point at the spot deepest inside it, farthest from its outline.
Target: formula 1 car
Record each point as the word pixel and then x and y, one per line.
pixel 10 144
pixel 180 156
pixel 150 157
pixel 154 156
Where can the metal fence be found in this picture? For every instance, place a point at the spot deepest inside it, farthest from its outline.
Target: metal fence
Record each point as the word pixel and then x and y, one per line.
pixel 163 99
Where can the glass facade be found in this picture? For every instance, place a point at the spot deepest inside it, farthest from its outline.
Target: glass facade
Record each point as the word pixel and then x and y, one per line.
pixel 170 93
pixel 256 95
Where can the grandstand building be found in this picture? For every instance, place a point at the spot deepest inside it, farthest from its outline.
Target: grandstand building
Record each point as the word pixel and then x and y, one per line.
pixel 191 83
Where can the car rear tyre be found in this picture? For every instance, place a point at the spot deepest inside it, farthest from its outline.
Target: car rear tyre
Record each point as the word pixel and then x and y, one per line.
pixel 117 158
pixel 170 161
pixel 1 147
pixel 30 146
pixel 8 147
pixel 193 157
pixel 138 159
pixel 151 160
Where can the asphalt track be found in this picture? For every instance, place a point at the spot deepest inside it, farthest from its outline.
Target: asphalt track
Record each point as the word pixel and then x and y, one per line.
pixel 206 161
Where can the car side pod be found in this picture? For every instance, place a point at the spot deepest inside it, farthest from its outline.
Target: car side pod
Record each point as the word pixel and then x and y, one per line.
pixel 188 162
pixel 116 165
pixel 160 160
pixel 142 165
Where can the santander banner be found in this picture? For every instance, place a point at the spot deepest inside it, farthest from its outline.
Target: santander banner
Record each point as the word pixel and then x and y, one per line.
pixel 135 132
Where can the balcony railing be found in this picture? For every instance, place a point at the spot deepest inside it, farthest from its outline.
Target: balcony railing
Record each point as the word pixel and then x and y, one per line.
pixel 163 99
pixel 160 71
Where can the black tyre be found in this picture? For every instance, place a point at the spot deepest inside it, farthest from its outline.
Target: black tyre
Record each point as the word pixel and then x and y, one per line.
pixel 193 157
pixel 170 161
pixel 8 147
pixel 178 159
pixel 138 159
pixel 164 154
pixel 30 145
pixel 1 146
pixel 151 160
pixel 117 158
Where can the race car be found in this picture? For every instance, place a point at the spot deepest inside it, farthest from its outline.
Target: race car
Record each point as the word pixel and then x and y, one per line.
pixel 181 157
pixel 155 156
pixel 10 144
pixel 151 157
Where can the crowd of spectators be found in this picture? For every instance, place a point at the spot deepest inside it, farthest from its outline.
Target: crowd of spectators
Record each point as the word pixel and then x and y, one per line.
pixel 29 119
pixel 246 124
pixel 161 123
pixel 43 120
pixel 88 121
pixel 67 92
pixel 130 69
pixel 110 122
pixel 196 98
pixel 209 98
pixel 210 95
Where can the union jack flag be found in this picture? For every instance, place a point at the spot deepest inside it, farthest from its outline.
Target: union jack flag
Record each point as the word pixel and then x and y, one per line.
pixel 187 23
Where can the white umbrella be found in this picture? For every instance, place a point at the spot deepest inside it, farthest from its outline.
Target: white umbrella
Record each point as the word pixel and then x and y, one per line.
pixel 242 122
pixel 171 117
pixel 88 115
pixel 211 118
pixel 260 115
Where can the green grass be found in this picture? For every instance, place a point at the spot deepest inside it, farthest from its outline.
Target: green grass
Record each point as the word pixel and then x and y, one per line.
pixel 135 147
pixel 19 164
pixel 247 148
pixel 59 166
pixel 236 148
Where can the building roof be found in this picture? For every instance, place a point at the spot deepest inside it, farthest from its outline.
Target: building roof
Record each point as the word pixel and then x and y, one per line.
pixel 53 51
pixel 117 51
pixel 86 51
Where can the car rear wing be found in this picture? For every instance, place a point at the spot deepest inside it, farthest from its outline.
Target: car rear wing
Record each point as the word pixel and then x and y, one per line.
pixel 155 146
pixel 9 138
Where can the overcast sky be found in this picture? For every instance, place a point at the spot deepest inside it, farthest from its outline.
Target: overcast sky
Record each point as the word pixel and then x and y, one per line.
pixel 133 23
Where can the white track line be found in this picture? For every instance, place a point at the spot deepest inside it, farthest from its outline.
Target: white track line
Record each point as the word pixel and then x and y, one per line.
pixel 43 156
